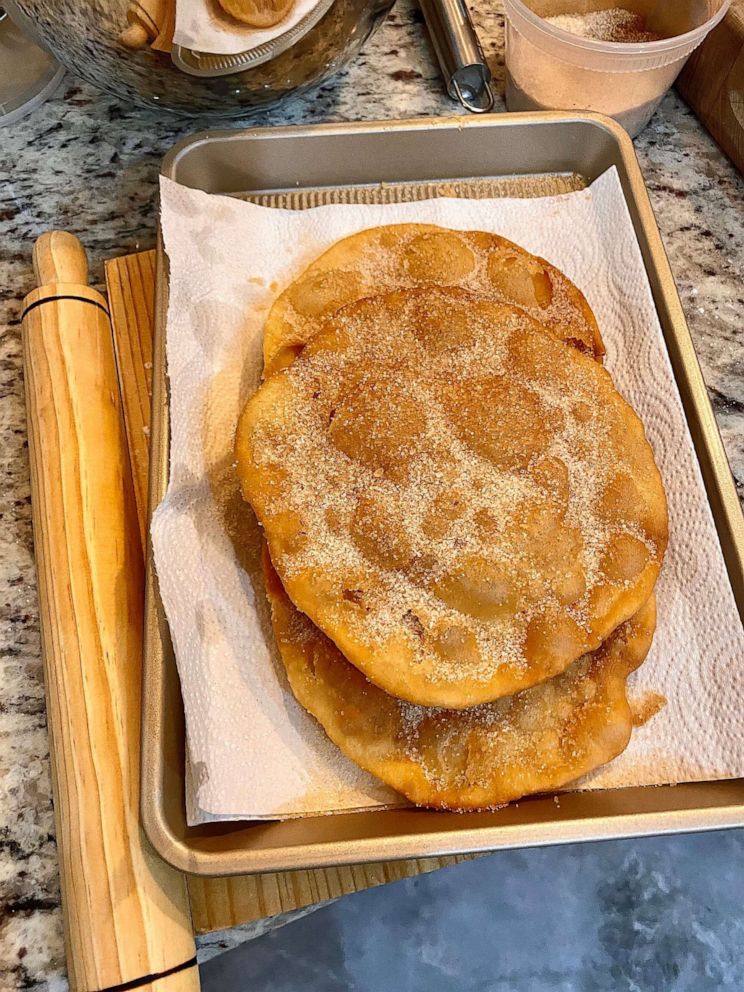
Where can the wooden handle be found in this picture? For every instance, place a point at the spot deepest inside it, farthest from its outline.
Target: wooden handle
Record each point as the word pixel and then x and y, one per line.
pixel 135 36
pixel 712 83
pixel 126 912
pixel 59 257
pixel 150 22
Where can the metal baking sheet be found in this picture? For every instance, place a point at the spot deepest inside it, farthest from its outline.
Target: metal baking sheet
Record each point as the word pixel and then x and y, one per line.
pixel 517 154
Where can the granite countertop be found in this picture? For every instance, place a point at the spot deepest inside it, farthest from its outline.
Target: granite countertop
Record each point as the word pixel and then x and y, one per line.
pixel 88 164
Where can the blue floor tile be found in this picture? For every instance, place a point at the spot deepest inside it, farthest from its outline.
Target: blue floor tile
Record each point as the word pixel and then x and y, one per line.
pixel 656 915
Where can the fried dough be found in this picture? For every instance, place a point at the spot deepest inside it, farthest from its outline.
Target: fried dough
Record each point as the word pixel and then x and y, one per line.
pixel 257 13
pixel 536 741
pixel 461 502
pixel 402 256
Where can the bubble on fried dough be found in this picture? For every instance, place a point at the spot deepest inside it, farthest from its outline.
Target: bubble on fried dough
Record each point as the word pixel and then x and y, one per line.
pixel 322 293
pixel 457 643
pixel 503 422
pixel 439 257
pixel 479 588
pixel 379 425
pixel 526 284
pixel 624 559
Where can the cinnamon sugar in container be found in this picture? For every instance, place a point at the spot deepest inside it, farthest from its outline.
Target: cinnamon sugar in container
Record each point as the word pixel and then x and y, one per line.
pixel 558 56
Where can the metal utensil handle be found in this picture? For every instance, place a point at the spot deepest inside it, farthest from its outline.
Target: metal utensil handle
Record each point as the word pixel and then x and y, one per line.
pixel 459 53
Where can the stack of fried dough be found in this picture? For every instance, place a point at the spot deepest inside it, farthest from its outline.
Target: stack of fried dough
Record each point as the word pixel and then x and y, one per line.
pixel 463 517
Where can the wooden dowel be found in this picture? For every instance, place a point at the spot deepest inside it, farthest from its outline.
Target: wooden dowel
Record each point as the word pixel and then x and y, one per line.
pixel 126 912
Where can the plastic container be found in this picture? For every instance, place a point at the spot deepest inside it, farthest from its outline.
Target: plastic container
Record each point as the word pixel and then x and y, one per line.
pixel 548 68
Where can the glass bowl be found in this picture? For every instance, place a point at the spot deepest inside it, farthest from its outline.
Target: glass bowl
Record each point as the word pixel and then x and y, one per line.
pixel 84 36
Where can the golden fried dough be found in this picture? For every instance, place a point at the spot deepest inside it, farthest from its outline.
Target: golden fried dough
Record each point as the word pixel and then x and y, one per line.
pixel 257 13
pixel 409 255
pixel 461 502
pixel 536 741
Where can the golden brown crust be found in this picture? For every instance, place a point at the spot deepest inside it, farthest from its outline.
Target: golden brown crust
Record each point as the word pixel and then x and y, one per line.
pixel 462 503
pixel 402 256
pixel 257 13
pixel 537 741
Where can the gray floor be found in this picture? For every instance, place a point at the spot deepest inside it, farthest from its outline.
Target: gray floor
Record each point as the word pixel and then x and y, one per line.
pixel 658 915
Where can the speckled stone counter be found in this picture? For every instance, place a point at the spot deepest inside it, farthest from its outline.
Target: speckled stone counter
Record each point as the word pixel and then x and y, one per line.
pixel 86 163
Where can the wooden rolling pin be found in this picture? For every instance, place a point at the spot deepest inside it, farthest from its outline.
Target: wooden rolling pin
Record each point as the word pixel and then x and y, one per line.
pixel 150 22
pixel 127 922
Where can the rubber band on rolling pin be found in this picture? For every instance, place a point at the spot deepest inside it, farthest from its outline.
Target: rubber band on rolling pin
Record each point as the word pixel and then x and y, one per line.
pixel 53 299
pixel 136 983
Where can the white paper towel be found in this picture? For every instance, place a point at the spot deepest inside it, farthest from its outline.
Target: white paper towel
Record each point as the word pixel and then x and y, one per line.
pixel 253 751
pixel 203 26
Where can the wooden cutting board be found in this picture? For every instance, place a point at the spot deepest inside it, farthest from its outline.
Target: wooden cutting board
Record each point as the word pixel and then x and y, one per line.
pixel 712 83
pixel 216 903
